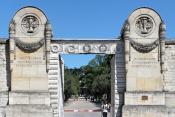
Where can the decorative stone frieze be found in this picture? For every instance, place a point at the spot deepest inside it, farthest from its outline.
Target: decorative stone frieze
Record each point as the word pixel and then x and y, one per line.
pixel 84 46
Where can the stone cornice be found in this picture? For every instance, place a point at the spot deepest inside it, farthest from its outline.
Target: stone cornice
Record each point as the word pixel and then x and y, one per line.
pixel 85 46
pixel 75 40
pixel 3 40
pixel 169 42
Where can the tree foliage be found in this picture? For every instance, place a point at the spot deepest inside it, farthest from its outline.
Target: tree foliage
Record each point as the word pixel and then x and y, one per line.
pixel 71 82
pixel 94 78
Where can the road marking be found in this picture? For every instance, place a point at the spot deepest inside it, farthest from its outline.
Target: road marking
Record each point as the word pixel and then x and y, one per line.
pixel 96 110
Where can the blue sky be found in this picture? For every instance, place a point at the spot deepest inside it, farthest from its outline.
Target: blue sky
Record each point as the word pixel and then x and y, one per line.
pixel 87 18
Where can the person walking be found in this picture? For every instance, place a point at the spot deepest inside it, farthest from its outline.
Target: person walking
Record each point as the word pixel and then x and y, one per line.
pixel 105 108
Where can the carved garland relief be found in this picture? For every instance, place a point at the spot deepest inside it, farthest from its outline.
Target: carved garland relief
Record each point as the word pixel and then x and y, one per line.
pixel 144 26
pixel 29 26
pixel 144 48
pixel 29 47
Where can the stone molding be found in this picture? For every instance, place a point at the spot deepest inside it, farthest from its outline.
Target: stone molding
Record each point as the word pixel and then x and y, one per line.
pixel 84 46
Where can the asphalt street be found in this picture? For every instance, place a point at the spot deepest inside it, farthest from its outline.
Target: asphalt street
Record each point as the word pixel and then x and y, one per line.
pixel 82 109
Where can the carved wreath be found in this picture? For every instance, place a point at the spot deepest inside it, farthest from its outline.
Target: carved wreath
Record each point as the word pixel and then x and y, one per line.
pixel 29 47
pixel 144 48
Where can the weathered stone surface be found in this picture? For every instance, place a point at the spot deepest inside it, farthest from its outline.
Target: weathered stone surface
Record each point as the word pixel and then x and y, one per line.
pixel 171 112
pixel 54 77
pixel 169 68
pixel 143 35
pixel 29 98
pixel 84 46
pixel 56 84
pixel 2 112
pixel 3 98
pixel 144 111
pixel 144 98
pixel 28 52
pixel 30 35
pixel 118 81
pixel 148 111
pixel 142 52
pixel 28 111
pixel 170 99
pixel 3 72
pixel 29 71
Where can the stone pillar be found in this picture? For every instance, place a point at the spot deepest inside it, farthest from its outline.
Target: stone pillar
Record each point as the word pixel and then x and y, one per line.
pixel 117 81
pixel 30 35
pixel 3 80
pixel 114 93
pixel 61 87
pixel 48 35
pixel 144 51
pixel 162 50
pixel 53 82
pixel 126 31
pixel 56 81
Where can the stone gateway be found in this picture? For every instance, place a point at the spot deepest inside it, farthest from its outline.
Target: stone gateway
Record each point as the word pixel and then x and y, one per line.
pixel 32 70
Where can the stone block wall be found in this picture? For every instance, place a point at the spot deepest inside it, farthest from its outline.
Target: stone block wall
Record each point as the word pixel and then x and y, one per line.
pixel 28 58
pixel 118 81
pixel 29 98
pixel 144 98
pixel 3 79
pixel 3 72
pixel 144 111
pixel 169 75
pixel 28 111
pixel 56 87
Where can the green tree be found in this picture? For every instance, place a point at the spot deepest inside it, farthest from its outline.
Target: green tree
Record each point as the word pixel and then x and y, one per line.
pixel 94 77
pixel 97 75
pixel 71 82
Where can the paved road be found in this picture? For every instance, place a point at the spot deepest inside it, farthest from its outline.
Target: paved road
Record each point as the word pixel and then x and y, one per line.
pixel 81 106
pixel 82 114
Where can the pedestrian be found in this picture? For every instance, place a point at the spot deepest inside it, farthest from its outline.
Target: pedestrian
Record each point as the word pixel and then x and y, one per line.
pixel 105 108
pixel 109 106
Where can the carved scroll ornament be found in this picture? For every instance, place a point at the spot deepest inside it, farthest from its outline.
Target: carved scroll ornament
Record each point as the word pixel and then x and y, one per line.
pixel 144 48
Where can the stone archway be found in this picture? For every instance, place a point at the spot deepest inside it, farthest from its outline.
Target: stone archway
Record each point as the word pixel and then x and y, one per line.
pixel 32 70
pixel 37 68
pixel 113 47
